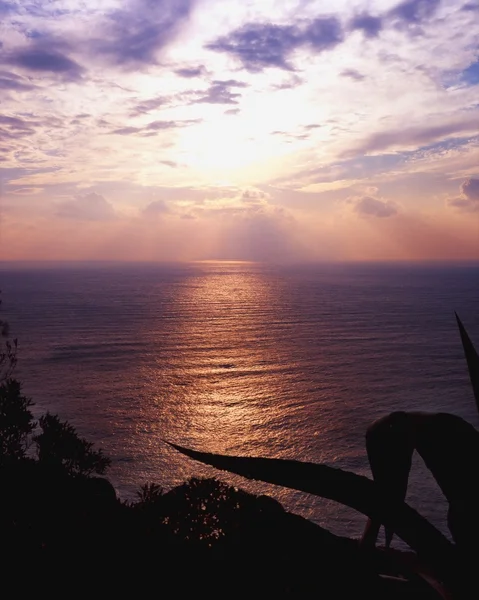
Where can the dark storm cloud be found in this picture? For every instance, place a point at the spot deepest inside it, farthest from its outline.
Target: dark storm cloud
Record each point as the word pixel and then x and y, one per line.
pixel 258 46
pixel 133 36
pixel 220 92
pixel 370 25
pixel 92 207
pixel 468 201
pixel 367 206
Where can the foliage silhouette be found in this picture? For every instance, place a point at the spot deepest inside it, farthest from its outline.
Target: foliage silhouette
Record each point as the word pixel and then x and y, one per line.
pixel 8 353
pixel 384 504
pixel 16 421
pixel 60 445
pixel 149 496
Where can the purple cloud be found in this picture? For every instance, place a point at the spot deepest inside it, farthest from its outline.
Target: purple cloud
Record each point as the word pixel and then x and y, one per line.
pixel 153 127
pixel 190 72
pixel 13 82
pixel 148 105
pixel 39 59
pixel 414 12
pixel 258 46
pixel 414 136
pixel 133 36
pixel 352 74
pixel 220 92
pixel 370 25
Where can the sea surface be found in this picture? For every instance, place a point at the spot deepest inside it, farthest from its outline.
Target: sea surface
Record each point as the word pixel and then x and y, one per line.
pixel 246 359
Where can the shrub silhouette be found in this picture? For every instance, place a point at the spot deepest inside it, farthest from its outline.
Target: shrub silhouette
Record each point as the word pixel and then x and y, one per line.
pixel 60 445
pixel 16 421
pixel 8 353
pixel 149 495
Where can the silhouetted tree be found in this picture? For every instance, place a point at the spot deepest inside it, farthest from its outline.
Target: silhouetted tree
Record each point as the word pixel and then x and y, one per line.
pixel 16 421
pixel 60 445
pixel 8 353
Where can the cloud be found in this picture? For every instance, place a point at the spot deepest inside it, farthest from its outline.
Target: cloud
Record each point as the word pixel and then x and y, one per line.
pixel 27 191
pixel 135 35
pixel 370 25
pixel 153 127
pixel 220 92
pixel 45 56
pixel 13 82
pixel 468 201
pixel 6 7
pixel 14 123
pixel 255 196
pixel 414 136
pixel 291 83
pixel 261 45
pixel 409 14
pixel 414 12
pixel 92 207
pixel 352 74
pixel 368 206
pixel 147 106
pixel 126 130
pixel 156 208
pixel 233 202
pixel 191 72
pixel 14 128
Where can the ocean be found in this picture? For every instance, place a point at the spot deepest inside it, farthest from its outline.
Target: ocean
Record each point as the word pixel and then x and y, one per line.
pixel 246 359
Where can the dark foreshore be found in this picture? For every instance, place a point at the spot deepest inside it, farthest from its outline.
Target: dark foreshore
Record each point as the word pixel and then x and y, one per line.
pixel 72 533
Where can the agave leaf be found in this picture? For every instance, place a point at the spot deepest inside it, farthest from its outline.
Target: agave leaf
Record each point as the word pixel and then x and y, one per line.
pixel 472 359
pixel 352 490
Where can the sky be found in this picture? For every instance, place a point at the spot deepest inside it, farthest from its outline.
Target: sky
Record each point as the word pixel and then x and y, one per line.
pixel 279 130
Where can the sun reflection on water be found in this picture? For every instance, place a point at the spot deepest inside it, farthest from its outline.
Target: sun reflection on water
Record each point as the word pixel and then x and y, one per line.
pixel 226 361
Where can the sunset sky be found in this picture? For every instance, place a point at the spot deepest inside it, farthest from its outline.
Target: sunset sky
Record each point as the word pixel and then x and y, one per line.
pixel 237 129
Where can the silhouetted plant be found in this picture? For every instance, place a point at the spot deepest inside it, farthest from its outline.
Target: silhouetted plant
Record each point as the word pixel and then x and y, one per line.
pixel 60 445
pixel 149 495
pixel 8 353
pixel 204 511
pixel 16 421
pixel 376 501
